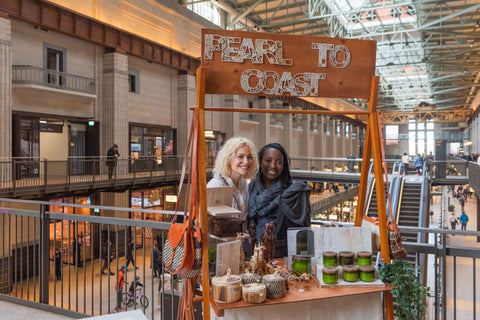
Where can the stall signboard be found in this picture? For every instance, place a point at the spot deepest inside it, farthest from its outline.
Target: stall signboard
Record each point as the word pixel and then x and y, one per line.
pixel 273 64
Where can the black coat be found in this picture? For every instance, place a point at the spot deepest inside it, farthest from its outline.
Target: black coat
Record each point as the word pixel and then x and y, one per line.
pixel 287 207
pixel 111 159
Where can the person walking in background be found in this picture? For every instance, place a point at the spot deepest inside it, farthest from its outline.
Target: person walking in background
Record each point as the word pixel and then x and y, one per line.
pixel 119 287
pixel 130 250
pixel 107 258
pixel 112 157
pixel 58 265
pixel 453 220
pixel 405 161
pixel 157 262
pixel 429 161
pixel 464 220
pixel 417 162
pixel 351 162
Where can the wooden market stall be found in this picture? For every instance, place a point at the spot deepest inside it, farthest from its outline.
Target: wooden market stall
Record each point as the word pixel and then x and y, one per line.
pixel 248 63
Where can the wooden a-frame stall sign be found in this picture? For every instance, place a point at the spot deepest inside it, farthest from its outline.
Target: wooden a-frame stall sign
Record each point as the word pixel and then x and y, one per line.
pixel 251 63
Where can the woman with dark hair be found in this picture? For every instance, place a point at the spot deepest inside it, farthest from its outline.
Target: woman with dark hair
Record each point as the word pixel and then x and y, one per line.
pixel 274 197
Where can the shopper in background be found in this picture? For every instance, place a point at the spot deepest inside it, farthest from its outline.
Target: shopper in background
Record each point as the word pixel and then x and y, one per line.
pixel 464 220
pixel 112 158
pixel 405 162
pixel 119 287
pixel 418 162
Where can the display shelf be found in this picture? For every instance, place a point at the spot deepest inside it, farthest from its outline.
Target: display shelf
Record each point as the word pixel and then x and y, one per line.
pixel 293 295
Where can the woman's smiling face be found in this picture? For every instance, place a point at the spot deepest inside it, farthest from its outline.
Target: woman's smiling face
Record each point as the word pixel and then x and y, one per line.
pixel 242 161
pixel 271 165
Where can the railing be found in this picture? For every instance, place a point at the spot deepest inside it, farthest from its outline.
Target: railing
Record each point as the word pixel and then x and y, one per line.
pixel 72 278
pixel 33 175
pixel 70 261
pixel 22 74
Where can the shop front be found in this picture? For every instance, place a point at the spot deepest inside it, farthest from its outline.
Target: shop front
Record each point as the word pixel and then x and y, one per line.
pixel 151 147
pixel 72 240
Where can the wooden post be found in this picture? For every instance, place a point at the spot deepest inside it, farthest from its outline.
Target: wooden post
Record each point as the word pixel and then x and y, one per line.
pixel 202 188
pixel 372 125
pixel 362 190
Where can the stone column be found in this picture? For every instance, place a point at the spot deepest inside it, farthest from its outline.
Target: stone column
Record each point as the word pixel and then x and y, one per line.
pixel 114 123
pixel 5 89
pixel 186 98
pixel 114 111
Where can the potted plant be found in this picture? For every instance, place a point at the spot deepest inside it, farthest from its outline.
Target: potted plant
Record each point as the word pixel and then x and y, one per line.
pixel 451 208
pixel 409 293
pixel 212 261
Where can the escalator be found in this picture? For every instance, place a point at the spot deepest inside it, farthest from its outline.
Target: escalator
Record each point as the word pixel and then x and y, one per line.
pixel 409 197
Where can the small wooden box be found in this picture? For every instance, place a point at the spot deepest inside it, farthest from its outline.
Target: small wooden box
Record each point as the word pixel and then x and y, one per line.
pixel 226 226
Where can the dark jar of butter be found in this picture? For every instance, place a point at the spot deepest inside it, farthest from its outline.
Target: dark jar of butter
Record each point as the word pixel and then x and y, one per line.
pixel 346 258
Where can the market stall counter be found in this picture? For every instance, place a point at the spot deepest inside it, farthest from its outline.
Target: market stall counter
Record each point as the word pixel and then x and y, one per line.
pixel 331 303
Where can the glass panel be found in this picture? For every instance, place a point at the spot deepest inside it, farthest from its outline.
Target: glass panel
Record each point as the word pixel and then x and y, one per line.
pixel 421 126
pixel 411 126
pixel 421 146
pixel 411 143
pixel 430 125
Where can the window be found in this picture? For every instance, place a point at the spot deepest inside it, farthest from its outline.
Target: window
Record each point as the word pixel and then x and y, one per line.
pixel 133 81
pixel 391 134
pixel 54 59
pixel 347 130
pixel 207 10
pixel 421 137
pixel 338 129
pixel 326 125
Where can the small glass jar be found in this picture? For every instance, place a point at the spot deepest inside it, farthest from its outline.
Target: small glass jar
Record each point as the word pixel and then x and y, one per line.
pixel 364 258
pixel 346 258
pixel 350 273
pixel 330 275
pixel 301 264
pixel 367 273
pixel 329 258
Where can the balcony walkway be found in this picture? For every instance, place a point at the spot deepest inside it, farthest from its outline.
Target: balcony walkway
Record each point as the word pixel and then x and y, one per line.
pixel 464 298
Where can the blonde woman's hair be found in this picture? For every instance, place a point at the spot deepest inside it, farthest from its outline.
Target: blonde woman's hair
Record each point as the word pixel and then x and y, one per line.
pixel 227 152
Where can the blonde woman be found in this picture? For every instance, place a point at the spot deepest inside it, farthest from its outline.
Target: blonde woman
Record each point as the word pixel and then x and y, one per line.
pixel 235 162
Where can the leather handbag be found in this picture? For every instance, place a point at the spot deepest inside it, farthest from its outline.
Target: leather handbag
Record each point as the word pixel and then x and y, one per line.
pixel 182 251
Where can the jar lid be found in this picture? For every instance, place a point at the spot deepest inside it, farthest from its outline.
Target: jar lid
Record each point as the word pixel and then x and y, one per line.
pixel 273 277
pixel 350 268
pixel 227 280
pixel 346 254
pixel 368 268
pixel 329 254
pixel 301 257
pixel 253 287
pixel 364 254
pixel 330 270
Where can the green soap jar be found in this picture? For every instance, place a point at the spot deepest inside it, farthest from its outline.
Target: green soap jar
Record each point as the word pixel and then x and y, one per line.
pixel 346 258
pixel 301 264
pixel 330 275
pixel 364 258
pixel 350 273
pixel 329 258
pixel 367 273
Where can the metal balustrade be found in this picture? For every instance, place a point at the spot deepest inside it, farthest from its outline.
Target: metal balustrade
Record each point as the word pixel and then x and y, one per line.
pixel 41 263
pixel 30 237
pixel 30 75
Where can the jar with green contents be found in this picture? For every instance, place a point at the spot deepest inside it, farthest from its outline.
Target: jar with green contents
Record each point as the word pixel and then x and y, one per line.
pixel 330 275
pixel 364 258
pixel 329 258
pixel 346 258
pixel 350 273
pixel 301 264
pixel 367 273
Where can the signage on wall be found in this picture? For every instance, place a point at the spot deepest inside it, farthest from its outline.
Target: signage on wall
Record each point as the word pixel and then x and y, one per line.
pixel 253 63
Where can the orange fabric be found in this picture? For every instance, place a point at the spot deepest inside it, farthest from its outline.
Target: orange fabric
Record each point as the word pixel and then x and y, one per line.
pixel 120 279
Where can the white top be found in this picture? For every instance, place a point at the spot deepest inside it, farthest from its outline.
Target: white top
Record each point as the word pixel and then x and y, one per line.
pixel 405 158
pixel 240 194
